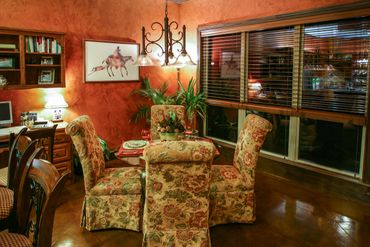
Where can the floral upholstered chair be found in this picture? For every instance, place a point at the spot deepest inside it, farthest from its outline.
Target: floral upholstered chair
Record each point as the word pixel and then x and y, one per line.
pixel 112 195
pixel 232 197
pixel 177 186
pixel 159 112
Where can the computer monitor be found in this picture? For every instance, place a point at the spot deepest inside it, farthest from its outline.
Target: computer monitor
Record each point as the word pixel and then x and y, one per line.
pixel 6 115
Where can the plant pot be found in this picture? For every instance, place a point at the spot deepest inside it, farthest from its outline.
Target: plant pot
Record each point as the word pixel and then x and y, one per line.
pixel 171 136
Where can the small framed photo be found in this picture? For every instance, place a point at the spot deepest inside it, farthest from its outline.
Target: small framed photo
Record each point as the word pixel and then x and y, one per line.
pixel 47 60
pixel 7 62
pixel 46 76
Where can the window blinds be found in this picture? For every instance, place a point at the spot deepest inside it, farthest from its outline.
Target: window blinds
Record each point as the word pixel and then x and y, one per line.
pixel 270 66
pixel 220 66
pixel 335 66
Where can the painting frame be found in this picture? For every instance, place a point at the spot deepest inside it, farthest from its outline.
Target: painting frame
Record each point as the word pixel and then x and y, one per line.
pixel 110 61
pixel 230 64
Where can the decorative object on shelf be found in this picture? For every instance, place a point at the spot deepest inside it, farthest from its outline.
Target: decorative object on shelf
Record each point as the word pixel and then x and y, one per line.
pixel 3 81
pixel 46 76
pixel 7 62
pixel 57 103
pixel 110 61
pixel 170 128
pixel 169 42
pixel 47 60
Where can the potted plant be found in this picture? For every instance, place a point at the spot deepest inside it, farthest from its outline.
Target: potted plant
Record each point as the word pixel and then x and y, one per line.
pixel 156 96
pixel 170 128
pixel 193 100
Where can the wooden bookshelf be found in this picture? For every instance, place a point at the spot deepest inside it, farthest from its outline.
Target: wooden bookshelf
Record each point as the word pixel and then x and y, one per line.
pixel 32 59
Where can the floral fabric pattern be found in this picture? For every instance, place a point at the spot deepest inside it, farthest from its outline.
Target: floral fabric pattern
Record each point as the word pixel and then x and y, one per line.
pixel 232 187
pixel 227 178
pixel 118 181
pixel 177 193
pixel 112 211
pixel 158 112
pixel 86 142
pixel 113 196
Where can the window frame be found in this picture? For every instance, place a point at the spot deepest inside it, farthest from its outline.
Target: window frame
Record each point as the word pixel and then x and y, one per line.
pixel 297 19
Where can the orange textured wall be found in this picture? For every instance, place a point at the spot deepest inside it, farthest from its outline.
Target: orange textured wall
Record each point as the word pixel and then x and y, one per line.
pixel 108 104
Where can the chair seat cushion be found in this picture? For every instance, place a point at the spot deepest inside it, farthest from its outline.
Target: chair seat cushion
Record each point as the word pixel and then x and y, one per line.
pixel 226 178
pixel 14 240
pixel 118 181
pixel 6 202
pixel 4 176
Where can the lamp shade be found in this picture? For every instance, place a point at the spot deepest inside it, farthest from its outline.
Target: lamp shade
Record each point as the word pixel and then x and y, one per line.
pixel 183 59
pixel 144 60
pixel 55 101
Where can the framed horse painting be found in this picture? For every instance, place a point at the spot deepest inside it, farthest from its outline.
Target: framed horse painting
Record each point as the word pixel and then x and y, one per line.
pixel 106 61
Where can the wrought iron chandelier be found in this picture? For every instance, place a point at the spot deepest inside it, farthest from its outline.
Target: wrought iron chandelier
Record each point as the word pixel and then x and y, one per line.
pixel 169 42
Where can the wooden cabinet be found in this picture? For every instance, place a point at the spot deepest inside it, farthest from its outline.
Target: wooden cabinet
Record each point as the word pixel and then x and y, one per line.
pixel 62 147
pixel 62 151
pixel 30 59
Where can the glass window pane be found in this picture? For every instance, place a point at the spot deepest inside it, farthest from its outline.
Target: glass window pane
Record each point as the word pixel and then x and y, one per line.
pixel 330 144
pixel 336 65
pixel 222 123
pixel 270 66
pixel 278 139
pixel 220 66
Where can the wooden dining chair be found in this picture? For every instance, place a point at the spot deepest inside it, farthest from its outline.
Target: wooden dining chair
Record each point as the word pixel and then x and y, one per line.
pixel 40 188
pixel 45 138
pixel 176 193
pixel 20 151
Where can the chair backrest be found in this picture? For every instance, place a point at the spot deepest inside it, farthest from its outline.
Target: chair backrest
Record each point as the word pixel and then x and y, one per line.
pixel 17 145
pixel 250 141
pixel 45 138
pixel 41 186
pixel 159 112
pixel 177 186
pixel 17 169
pixel 88 147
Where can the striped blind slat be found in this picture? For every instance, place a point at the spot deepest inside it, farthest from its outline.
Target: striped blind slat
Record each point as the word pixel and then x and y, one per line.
pixel 220 66
pixel 270 66
pixel 335 65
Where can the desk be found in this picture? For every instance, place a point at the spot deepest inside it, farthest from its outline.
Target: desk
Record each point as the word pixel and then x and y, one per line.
pixel 62 147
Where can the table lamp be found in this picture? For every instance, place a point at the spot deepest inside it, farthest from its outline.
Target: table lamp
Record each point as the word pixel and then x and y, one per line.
pixel 57 103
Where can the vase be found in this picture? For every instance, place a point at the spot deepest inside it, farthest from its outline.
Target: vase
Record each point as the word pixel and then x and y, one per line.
pixel 171 136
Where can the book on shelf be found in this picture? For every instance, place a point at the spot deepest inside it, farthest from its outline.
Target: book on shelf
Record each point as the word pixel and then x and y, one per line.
pixel 42 44
pixel 7 46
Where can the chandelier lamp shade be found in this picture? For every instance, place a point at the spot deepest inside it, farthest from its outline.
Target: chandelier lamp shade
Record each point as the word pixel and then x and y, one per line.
pixel 169 44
